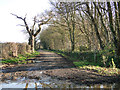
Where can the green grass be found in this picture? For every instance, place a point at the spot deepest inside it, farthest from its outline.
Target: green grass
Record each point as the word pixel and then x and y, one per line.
pixel 84 63
pixel 91 60
pixel 102 70
pixel 20 59
pixel 81 58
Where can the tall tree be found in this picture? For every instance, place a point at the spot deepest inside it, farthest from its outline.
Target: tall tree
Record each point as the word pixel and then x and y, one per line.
pixel 118 3
pixel 102 21
pixel 93 20
pixel 32 31
pixel 111 25
pixel 67 12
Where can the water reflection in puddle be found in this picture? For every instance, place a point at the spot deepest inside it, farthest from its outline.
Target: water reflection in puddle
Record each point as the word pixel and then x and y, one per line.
pixel 50 83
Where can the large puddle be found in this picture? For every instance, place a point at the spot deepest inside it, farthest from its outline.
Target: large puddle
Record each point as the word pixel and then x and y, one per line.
pixel 48 82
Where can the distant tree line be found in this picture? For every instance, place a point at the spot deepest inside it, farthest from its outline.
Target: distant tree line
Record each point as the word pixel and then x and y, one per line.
pixel 78 26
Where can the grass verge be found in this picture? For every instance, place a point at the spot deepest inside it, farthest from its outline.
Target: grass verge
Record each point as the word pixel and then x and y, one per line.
pixel 21 59
pixel 85 60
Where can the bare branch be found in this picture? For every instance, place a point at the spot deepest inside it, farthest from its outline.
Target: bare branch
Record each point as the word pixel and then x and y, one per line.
pixel 39 25
pixel 34 23
pixel 24 19
pixel 102 8
pixel 37 32
pixel 21 25
pixel 45 22
pixel 17 16
pixel 61 24
pixel 27 28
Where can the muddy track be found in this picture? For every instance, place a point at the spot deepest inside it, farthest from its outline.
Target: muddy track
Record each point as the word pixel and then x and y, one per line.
pixel 44 61
pixel 56 66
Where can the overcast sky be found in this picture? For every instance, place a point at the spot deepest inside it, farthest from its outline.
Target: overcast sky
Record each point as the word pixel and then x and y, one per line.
pixel 9 31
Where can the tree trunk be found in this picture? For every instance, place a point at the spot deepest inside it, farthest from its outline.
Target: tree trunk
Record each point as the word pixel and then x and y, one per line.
pixel 29 40
pixel 73 46
pixel 110 17
pixel 32 43
pixel 102 22
pixel 118 50
pixel 96 28
pixel 35 44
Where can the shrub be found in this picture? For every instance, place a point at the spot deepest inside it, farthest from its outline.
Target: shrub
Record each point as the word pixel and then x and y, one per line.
pixel 83 48
pixel 21 48
pixel 11 49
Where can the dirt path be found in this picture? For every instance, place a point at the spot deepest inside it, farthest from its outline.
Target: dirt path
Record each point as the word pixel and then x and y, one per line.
pixel 51 64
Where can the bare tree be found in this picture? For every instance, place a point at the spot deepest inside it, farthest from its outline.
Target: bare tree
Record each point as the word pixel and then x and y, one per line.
pixel 32 30
pixel 67 12
pixel 93 20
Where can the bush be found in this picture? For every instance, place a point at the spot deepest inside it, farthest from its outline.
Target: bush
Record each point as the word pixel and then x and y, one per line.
pixel 107 56
pixel 83 48
pixel 21 48
pixel 11 49
pixel 28 48
pixel 21 59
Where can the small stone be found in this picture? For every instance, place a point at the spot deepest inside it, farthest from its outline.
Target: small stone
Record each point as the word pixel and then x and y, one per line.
pixel 15 78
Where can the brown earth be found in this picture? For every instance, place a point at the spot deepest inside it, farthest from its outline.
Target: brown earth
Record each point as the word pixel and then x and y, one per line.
pixel 56 66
